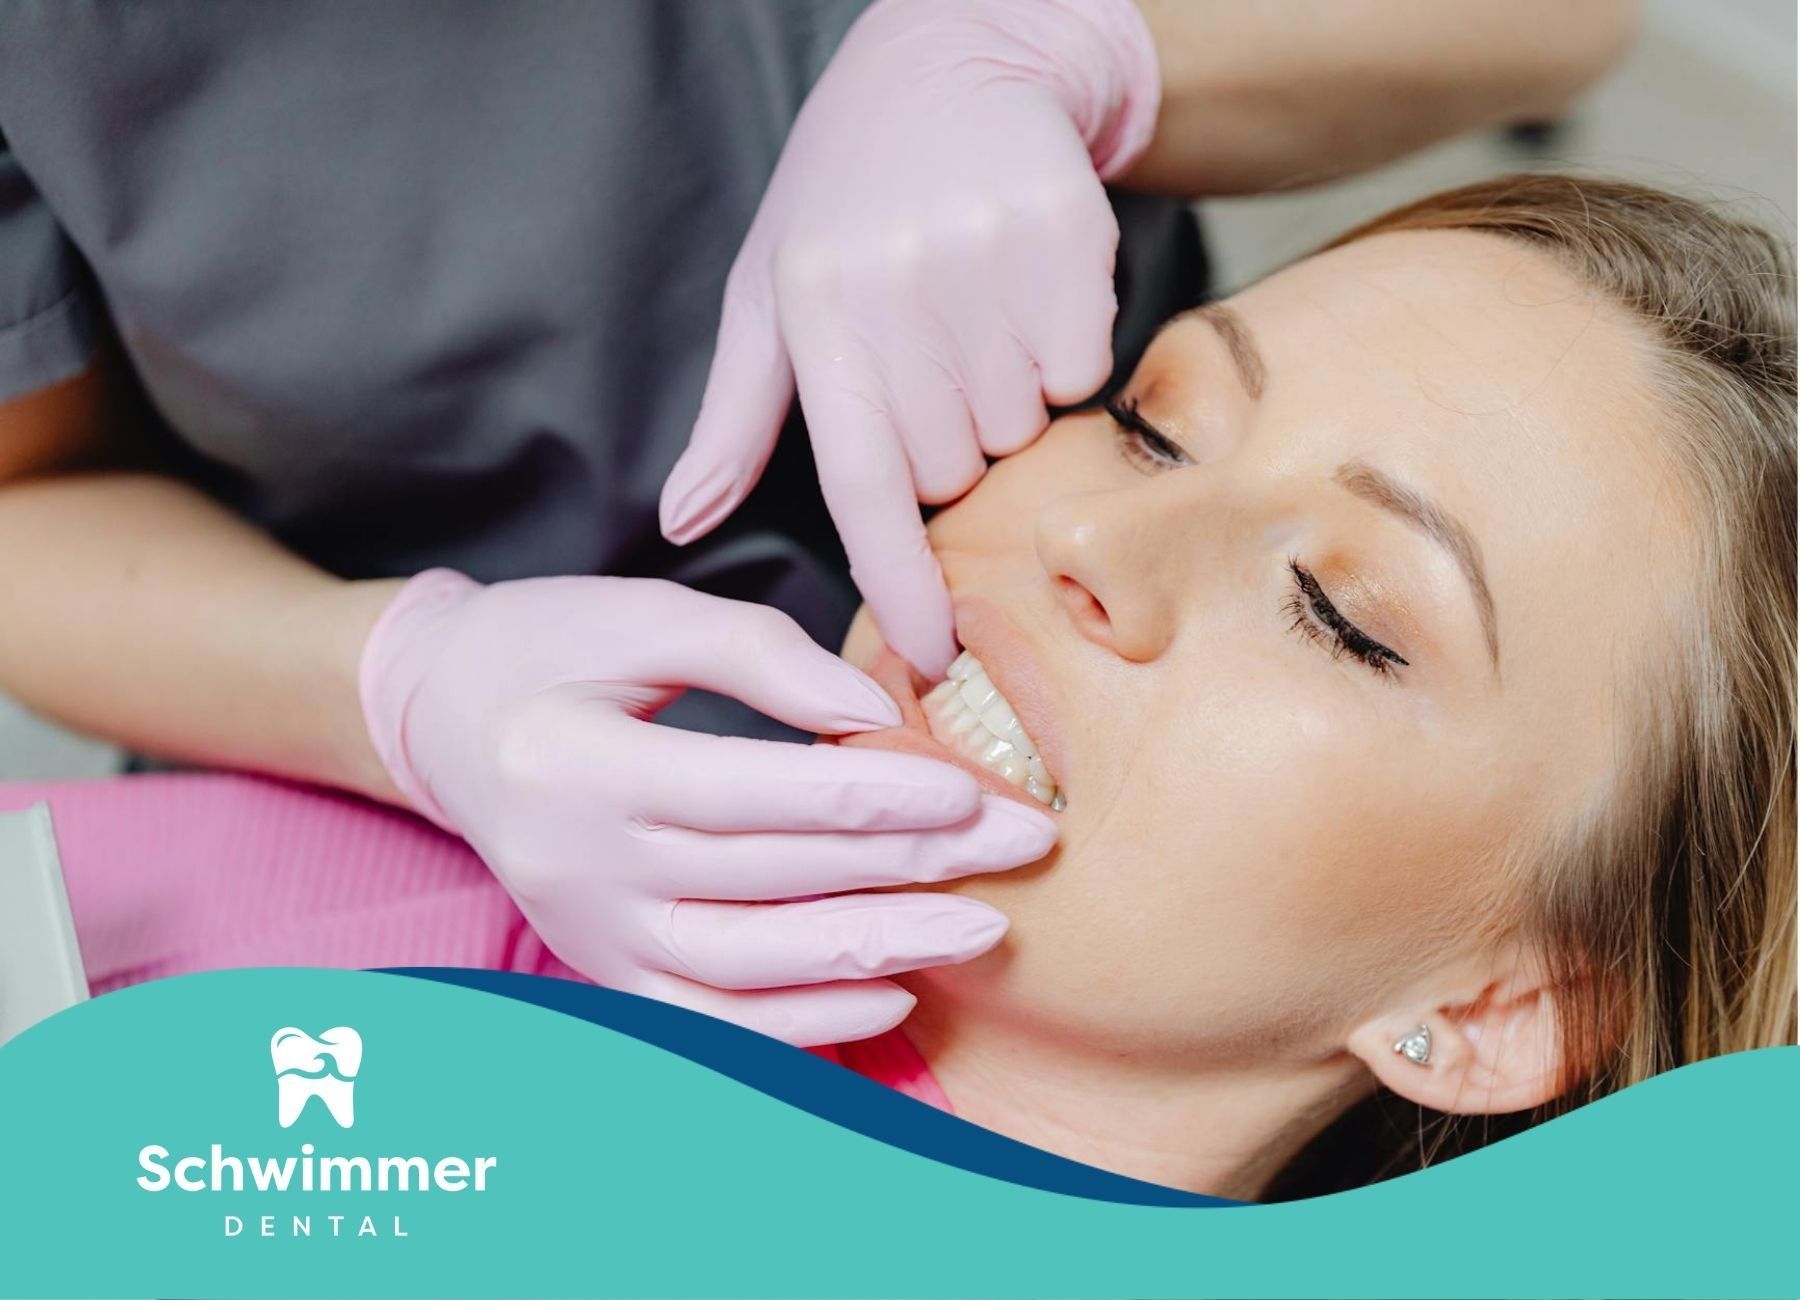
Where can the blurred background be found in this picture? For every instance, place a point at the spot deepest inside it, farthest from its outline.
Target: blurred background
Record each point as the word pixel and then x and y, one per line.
pixel 1705 104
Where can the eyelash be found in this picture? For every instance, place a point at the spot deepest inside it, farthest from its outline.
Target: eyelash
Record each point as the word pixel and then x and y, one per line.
pixel 1308 606
pixel 1141 442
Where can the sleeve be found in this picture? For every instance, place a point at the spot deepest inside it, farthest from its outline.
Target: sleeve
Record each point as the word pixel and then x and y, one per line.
pixel 48 320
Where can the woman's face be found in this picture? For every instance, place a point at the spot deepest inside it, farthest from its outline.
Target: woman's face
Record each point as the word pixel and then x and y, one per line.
pixel 1340 610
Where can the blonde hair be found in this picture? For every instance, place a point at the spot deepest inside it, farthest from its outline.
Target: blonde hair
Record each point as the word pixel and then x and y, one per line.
pixel 1669 916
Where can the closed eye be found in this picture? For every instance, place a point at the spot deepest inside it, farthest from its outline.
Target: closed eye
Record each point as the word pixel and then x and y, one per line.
pixel 1141 442
pixel 1317 619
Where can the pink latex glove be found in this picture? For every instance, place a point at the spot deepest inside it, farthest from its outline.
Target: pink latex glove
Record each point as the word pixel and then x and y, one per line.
pixel 518 716
pixel 933 258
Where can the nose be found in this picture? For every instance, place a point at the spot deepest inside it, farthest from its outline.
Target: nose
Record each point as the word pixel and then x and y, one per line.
pixel 1102 560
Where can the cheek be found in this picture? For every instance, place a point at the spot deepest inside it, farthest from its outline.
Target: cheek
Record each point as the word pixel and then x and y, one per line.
pixel 863 641
pixel 999 515
pixel 1262 873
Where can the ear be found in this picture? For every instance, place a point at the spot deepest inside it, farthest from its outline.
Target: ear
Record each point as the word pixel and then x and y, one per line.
pixel 1496 1041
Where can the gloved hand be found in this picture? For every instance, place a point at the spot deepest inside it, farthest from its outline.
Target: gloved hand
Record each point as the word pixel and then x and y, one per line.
pixel 933 257
pixel 517 716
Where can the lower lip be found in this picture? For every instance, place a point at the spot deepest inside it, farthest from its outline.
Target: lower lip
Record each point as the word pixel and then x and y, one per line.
pixel 913 736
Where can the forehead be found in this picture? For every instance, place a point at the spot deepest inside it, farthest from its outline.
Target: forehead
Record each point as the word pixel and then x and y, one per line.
pixel 1476 364
pixel 1471 325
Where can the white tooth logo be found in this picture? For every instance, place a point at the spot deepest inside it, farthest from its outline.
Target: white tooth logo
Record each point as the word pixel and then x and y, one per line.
pixel 302 1073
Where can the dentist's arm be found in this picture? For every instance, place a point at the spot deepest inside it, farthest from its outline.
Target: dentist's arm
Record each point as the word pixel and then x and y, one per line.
pixel 1281 93
pixel 518 716
pixel 140 610
pixel 933 259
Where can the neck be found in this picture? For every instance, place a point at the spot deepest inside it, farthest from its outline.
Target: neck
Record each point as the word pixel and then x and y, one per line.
pixel 1222 1129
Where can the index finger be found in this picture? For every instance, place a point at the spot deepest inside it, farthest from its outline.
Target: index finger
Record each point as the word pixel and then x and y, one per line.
pixel 867 482
pixel 729 783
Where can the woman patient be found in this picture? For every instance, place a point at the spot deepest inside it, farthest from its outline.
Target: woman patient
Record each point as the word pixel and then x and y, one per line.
pixel 1408 651
pixel 1410 644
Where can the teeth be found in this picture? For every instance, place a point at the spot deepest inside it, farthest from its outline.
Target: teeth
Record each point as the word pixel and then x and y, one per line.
pixel 978 692
pixel 301 1073
pixel 967 712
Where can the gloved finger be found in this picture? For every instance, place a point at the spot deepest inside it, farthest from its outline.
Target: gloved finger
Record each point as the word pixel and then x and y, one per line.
pixel 754 653
pixel 728 783
pixel 748 391
pixel 745 867
pixel 663 776
pixel 806 1016
pixel 1066 319
pixel 912 370
pixel 990 360
pixel 1006 393
pixel 930 412
pixel 852 937
pixel 867 482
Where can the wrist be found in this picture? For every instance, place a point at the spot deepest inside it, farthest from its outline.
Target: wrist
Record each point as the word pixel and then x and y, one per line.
pixel 400 636
pixel 1120 87
pixel 1097 57
pixel 339 617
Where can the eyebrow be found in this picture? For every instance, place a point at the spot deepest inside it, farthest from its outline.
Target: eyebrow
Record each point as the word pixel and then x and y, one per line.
pixel 1435 522
pixel 1230 327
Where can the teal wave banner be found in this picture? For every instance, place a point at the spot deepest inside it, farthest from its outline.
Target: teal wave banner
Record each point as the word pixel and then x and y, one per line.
pixel 292 1132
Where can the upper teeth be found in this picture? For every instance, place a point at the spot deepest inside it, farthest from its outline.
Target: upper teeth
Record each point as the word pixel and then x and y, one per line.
pixel 967 712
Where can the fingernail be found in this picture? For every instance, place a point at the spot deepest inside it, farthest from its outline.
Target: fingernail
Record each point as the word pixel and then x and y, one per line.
pixel 1016 828
pixel 881 711
pixel 930 658
pixel 692 505
pixel 677 488
pixel 929 650
pixel 971 929
pixel 885 1016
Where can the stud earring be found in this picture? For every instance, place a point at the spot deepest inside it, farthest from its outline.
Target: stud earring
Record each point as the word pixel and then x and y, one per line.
pixel 1416 1046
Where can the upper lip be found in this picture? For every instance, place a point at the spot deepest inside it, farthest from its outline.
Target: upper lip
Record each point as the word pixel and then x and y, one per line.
pixel 1012 666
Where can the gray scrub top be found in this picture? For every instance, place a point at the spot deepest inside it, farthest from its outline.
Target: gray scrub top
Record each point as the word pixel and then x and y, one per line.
pixel 415 284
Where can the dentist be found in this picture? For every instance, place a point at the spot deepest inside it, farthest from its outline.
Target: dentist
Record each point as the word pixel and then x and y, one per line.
pixel 329 333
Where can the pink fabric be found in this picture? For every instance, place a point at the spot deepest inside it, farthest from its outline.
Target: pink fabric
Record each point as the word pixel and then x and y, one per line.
pixel 169 874
pixel 174 873
pixel 891 1058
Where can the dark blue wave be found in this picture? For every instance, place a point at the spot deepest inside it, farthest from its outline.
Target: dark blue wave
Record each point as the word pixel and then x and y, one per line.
pixel 815 1085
